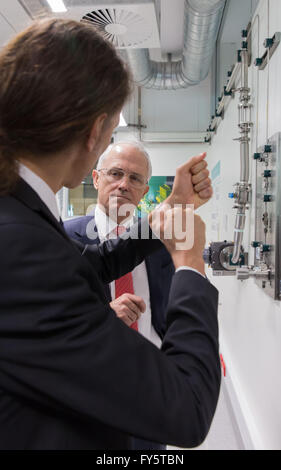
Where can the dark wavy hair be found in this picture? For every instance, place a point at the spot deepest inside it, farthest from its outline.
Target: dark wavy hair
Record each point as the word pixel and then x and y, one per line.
pixel 56 77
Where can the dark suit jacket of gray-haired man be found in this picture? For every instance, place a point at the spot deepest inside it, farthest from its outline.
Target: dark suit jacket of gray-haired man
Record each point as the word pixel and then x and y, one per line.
pixel 152 278
pixel 159 270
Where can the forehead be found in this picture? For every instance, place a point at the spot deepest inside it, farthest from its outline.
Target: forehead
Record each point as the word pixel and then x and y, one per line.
pixel 128 158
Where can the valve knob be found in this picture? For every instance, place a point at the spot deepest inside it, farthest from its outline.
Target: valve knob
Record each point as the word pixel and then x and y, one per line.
pixel 255 244
pixel 258 61
pixel 267 198
pixel 268 42
pixel 226 93
pixel 265 248
pixel 267 173
pixel 267 149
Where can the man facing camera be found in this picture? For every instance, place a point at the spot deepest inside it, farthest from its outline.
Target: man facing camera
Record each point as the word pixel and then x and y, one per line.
pixel 121 179
pixel 139 298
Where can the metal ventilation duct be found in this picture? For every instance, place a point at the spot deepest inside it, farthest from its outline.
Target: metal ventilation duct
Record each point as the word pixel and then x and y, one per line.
pixel 202 20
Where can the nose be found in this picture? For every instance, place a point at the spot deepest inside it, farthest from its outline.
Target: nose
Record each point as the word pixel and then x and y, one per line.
pixel 124 183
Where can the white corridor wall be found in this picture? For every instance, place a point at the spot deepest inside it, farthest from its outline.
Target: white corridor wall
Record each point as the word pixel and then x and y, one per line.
pixel 250 321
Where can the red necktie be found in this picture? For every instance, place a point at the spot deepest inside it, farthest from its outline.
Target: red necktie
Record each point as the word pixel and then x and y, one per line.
pixel 124 284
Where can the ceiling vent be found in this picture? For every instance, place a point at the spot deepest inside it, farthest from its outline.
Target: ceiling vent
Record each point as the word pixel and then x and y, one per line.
pixel 124 28
pixel 128 25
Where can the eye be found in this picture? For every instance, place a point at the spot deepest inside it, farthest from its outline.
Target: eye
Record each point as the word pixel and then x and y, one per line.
pixel 134 178
pixel 115 173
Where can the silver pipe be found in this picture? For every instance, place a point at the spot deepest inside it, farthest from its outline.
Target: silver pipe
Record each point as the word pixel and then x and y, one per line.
pixel 201 26
pixel 244 69
pixel 238 234
pixel 242 187
pixel 244 160
pixel 202 20
pixel 139 112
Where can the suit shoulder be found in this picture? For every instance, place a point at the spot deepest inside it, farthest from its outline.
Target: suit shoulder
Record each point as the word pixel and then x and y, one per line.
pixel 13 211
pixel 77 224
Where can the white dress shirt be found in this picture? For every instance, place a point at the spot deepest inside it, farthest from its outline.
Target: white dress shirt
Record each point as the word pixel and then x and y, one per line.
pixel 106 229
pixel 42 189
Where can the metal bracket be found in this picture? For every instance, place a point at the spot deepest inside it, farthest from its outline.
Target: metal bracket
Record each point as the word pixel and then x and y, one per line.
pixel 271 45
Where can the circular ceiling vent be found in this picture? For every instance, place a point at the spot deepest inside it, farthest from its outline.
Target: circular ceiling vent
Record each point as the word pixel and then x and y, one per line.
pixel 123 28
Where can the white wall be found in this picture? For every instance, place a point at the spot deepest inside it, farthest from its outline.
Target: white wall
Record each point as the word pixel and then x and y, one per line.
pixel 177 110
pixel 165 157
pixel 250 321
pixel 186 109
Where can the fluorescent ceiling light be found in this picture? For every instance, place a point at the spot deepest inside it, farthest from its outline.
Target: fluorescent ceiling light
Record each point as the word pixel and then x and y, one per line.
pixel 122 122
pixel 57 6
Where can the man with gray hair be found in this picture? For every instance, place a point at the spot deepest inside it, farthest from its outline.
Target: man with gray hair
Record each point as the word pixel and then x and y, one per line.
pixel 132 143
pixel 139 298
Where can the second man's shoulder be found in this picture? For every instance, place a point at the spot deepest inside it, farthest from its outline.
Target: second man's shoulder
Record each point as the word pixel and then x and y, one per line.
pixel 77 226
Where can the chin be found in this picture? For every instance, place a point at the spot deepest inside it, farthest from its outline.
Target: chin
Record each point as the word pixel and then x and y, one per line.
pixel 70 185
pixel 75 180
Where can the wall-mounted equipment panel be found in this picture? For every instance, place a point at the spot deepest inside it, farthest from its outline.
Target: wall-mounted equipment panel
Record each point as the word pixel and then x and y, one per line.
pixel 268 213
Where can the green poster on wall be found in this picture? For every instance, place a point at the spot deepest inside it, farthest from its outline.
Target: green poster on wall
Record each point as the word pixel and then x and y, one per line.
pixel 159 189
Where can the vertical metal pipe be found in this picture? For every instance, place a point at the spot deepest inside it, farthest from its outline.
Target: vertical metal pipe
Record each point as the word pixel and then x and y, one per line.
pixel 139 112
pixel 244 118
pixel 238 234
pixel 244 68
pixel 244 160
pixel 244 126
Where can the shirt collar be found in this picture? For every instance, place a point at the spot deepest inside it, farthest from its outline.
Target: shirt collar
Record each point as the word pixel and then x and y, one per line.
pixel 41 188
pixel 105 225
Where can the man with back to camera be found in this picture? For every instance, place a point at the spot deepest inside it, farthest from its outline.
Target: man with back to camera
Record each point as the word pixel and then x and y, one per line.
pixel 140 300
pixel 69 368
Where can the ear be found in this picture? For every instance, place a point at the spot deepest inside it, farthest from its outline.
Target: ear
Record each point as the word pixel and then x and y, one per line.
pixel 95 132
pixel 95 175
pixel 146 190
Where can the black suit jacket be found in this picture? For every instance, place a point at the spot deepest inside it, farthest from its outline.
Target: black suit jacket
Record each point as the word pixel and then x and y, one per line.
pixel 159 267
pixel 69 369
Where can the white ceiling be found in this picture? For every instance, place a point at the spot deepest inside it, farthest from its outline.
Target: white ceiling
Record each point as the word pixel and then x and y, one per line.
pixel 14 14
pixel 13 18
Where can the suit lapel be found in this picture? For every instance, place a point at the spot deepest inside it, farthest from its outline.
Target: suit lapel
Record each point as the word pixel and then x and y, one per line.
pixel 86 232
pixel 82 234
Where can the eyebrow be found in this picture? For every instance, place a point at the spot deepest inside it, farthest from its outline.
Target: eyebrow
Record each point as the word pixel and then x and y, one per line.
pixel 131 172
